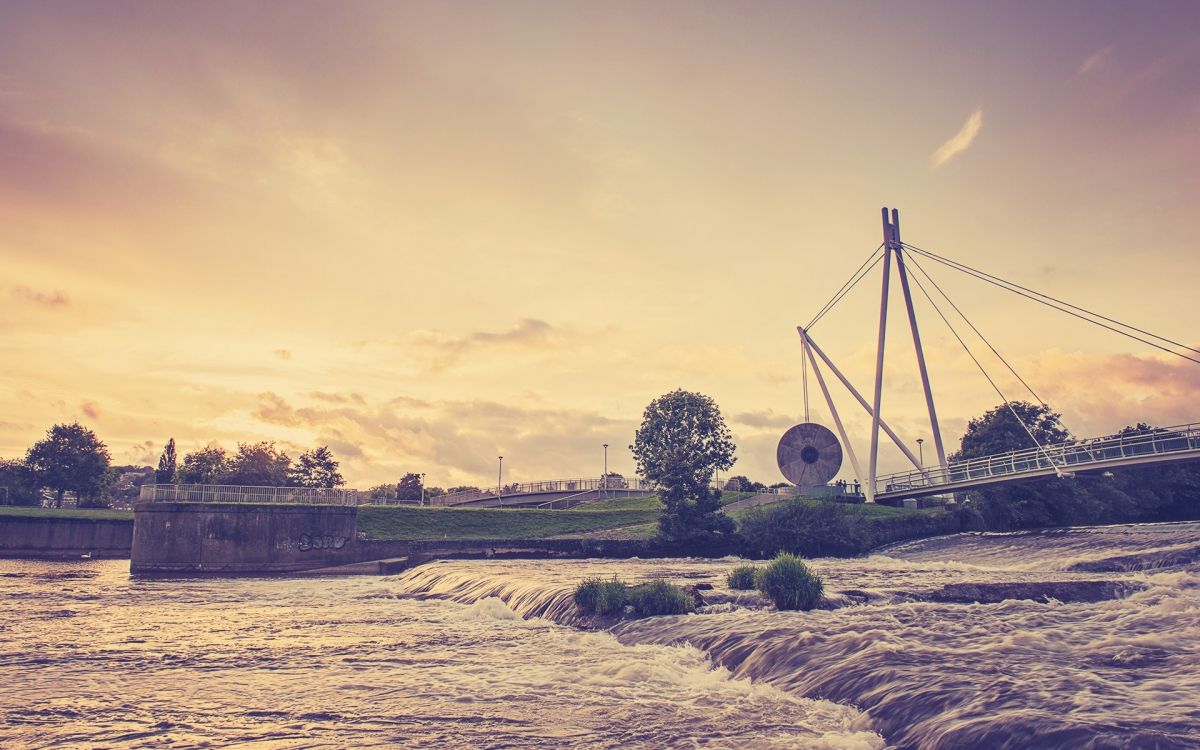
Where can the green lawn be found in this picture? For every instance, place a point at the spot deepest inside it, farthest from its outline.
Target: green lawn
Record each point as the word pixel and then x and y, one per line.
pixel 35 512
pixel 403 523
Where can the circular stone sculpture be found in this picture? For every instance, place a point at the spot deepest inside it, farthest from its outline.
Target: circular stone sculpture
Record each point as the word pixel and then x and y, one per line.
pixel 809 454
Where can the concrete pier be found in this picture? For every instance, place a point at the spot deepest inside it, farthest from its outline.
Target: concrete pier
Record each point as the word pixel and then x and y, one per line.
pixel 240 539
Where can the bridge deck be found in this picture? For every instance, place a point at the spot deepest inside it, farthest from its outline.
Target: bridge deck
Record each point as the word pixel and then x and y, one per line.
pixel 1145 448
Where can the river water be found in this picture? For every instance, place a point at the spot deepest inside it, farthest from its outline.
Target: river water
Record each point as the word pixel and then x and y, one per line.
pixel 1085 638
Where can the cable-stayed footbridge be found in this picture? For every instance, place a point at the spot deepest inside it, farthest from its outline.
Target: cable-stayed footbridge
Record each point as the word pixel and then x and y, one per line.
pixel 810 454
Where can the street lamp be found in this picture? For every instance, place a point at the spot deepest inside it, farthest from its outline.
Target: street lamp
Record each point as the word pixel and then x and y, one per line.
pixel 499 476
pixel 921 448
pixel 422 489
pixel 605 476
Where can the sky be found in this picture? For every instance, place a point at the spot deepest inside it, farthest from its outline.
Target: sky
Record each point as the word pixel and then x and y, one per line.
pixel 431 234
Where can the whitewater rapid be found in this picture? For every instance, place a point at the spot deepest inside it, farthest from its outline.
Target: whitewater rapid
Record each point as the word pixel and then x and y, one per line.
pixel 1076 638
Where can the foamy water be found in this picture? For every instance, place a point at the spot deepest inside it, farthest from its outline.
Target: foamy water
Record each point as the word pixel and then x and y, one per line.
pixel 1089 638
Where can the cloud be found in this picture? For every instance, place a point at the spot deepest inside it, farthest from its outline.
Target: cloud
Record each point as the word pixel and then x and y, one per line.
pixel 38 297
pixel 1101 394
pixel 90 409
pixel 961 141
pixel 444 350
pixel 284 354
pixel 1093 62
pixel 455 441
pixel 763 419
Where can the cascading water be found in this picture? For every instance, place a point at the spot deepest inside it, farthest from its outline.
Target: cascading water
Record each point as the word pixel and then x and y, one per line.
pixel 1083 638
pixel 1086 638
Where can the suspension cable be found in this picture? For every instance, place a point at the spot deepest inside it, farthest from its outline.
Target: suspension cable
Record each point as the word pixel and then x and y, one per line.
pixel 974 359
pixel 1061 306
pixel 856 277
pixel 978 333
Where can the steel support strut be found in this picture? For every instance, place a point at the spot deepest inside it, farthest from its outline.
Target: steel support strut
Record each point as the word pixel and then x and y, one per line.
pixel 837 419
pixel 859 397
pixel 916 334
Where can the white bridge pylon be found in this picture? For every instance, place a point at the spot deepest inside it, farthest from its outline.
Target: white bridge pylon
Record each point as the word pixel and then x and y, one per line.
pixel 892 249
pixel 1129 448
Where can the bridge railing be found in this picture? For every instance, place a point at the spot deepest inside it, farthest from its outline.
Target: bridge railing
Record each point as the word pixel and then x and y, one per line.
pixel 229 493
pixel 547 486
pixel 1061 457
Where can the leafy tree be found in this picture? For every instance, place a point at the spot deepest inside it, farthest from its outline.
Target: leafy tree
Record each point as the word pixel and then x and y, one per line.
pixel 383 492
pixel 743 483
pixel 259 465
pixel 209 465
pixel 434 492
pixel 21 483
pixel 998 431
pixel 316 468
pixel 408 490
pixel 70 459
pixel 462 488
pixel 167 470
pixel 682 441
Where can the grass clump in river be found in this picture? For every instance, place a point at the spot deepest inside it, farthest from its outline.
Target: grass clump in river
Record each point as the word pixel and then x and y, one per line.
pixel 599 597
pixel 743 577
pixel 789 583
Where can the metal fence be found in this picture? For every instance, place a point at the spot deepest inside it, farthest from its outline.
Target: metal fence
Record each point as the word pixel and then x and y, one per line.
pixel 228 493
pixel 1062 457
pixel 546 486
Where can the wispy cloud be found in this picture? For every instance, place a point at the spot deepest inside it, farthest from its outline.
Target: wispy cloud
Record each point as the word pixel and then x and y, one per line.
pixel 48 299
pixel 961 141
pixel 445 350
pixel 1093 62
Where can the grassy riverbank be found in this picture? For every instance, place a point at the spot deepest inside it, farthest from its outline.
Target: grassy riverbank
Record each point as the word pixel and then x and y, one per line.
pixel 26 511
pixel 409 523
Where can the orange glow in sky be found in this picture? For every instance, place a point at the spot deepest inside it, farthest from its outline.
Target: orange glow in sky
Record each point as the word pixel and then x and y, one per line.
pixel 428 234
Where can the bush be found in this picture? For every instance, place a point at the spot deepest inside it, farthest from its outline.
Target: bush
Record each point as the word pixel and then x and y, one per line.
pixel 661 598
pixel 789 583
pixel 743 577
pixel 597 597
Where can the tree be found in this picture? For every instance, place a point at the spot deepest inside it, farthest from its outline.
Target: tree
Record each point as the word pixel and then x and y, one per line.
pixel 167 469
pixel 209 465
pixel 998 431
pixel 70 459
pixel 743 483
pixel 316 468
pixel 682 441
pixel 20 482
pixel 408 490
pixel 259 465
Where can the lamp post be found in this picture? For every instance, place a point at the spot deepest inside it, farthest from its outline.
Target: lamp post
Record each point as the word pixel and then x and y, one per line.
pixel 422 489
pixel 604 478
pixel 499 480
pixel 921 451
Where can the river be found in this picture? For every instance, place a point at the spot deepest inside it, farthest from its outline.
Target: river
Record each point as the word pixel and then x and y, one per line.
pixel 1086 638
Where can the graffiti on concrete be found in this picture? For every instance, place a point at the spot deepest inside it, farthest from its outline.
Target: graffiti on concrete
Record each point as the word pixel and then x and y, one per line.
pixel 319 541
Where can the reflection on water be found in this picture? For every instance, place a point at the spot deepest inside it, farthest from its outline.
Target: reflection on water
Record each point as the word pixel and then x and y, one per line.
pixel 1090 640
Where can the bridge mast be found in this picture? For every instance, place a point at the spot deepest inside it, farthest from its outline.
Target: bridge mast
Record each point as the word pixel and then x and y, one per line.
pixel 873 461
pixel 916 334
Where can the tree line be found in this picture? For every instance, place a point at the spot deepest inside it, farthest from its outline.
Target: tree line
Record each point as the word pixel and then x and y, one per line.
pixel 72 461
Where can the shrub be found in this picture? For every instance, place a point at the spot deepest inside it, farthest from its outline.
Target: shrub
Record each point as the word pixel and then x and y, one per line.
pixel 743 577
pixel 789 583
pixel 597 597
pixel 661 598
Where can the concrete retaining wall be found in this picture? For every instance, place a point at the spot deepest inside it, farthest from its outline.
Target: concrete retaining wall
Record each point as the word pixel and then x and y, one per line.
pixel 59 537
pixel 229 539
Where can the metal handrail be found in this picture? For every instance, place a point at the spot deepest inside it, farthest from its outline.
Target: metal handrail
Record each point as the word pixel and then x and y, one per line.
pixel 547 485
pixel 1061 457
pixel 232 493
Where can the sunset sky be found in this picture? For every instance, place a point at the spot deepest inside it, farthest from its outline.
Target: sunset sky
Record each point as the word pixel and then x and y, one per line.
pixel 427 234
